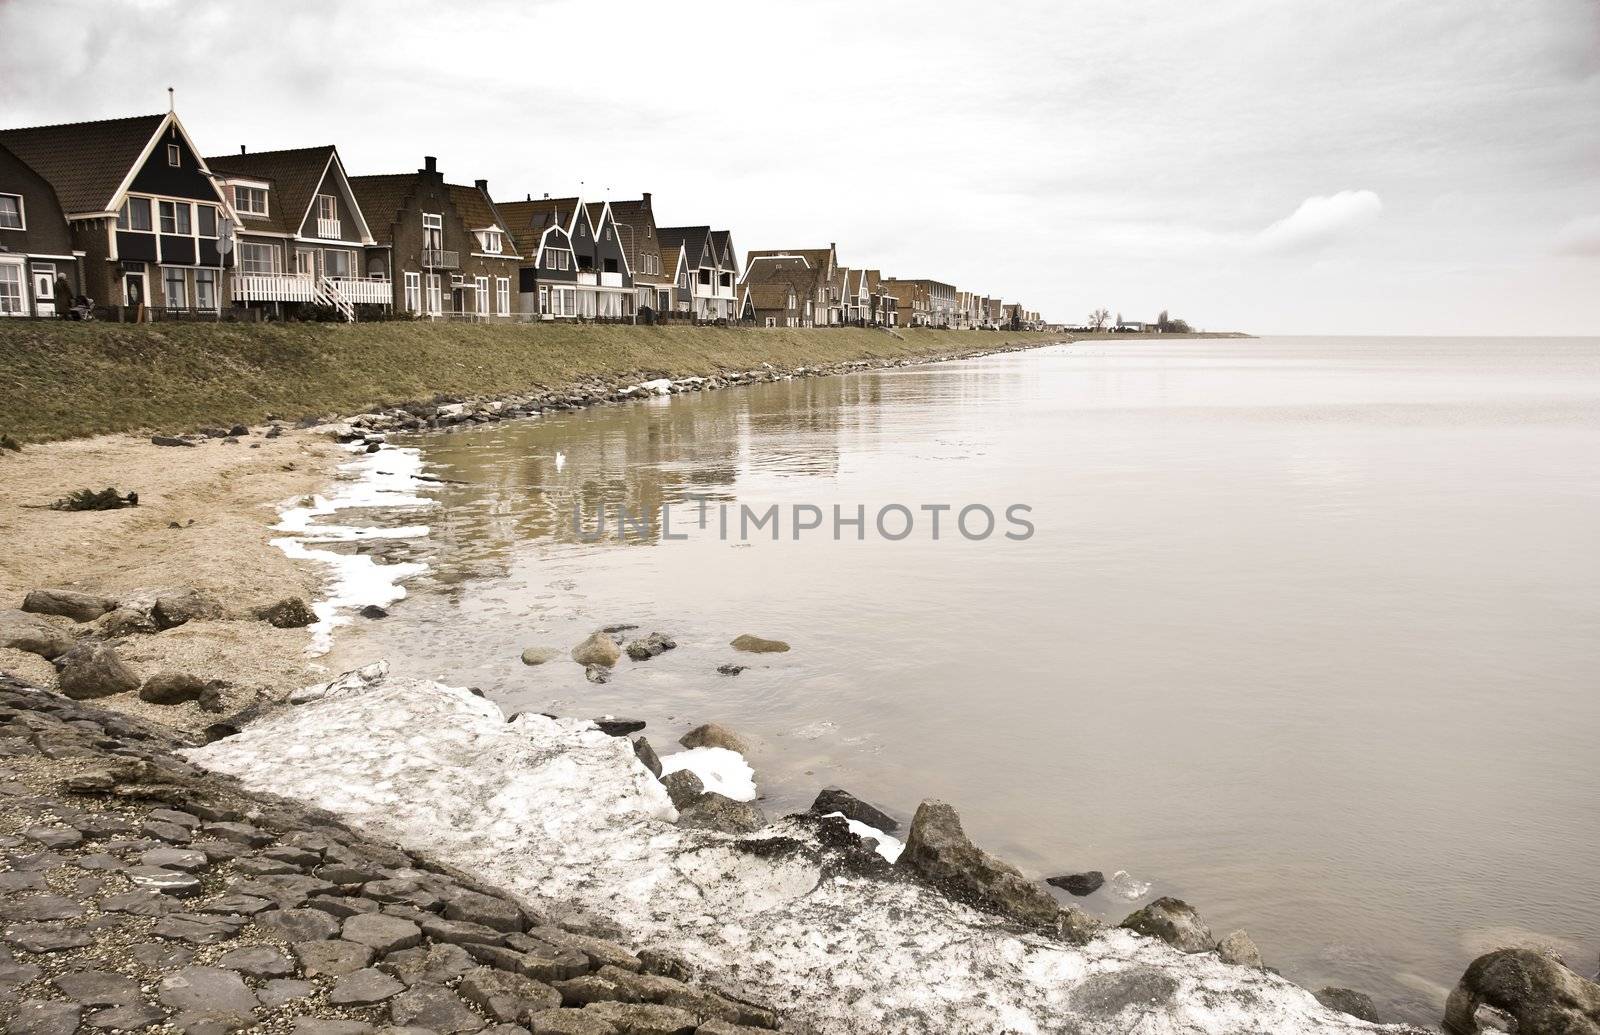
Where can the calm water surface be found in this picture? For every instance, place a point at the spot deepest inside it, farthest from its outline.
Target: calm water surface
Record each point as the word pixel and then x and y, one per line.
pixel 1308 633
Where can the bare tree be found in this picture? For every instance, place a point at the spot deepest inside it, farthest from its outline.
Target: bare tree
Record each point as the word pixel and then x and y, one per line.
pixel 1098 318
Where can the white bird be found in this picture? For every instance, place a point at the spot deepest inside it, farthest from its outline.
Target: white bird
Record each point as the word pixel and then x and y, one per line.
pixel 561 460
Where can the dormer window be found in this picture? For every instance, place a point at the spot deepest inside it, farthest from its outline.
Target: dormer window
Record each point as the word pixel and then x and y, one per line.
pixel 493 241
pixel 174 155
pixel 250 201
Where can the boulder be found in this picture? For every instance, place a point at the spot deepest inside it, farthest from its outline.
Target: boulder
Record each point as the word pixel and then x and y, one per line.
pixel 288 613
pixel 650 646
pixel 597 674
pixel 713 811
pixel 1173 921
pixel 612 726
pixel 757 645
pixel 92 670
pixel 373 612
pixel 539 655
pixel 1080 884
pixel 938 850
pixel 124 621
pixel 683 787
pixel 1075 926
pixel 731 670
pixel 174 607
pixel 1347 1000
pixel 172 688
pixel 598 649
pixel 647 757
pixel 80 607
pixel 714 736
pixel 20 630
pixel 1535 990
pixel 1238 949
pixel 835 799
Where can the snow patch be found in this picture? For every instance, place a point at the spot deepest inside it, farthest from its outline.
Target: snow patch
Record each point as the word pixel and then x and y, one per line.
pixel 720 769
pixel 889 846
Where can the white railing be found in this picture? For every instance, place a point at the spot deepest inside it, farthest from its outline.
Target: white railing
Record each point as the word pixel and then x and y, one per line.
pixel 610 280
pixel 273 287
pixel 328 229
pixel 328 293
pixel 588 278
pixel 365 292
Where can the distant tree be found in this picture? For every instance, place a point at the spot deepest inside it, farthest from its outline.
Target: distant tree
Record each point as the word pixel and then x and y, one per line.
pixel 1162 322
pixel 1098 318
pixel 1178 327
pixel 1119 320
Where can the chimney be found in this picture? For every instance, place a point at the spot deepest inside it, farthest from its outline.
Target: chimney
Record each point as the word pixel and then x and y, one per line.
pixel 482 185
pixel 547 195
pixel 530 197
pixel 241 149
pixel 646 199
pixel 430 164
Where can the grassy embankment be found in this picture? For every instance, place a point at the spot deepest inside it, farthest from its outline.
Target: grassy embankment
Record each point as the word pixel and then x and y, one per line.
pixel 63 380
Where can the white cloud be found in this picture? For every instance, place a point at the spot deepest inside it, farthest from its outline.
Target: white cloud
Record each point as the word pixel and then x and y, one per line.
pixel 1320 220
pixel 1580 237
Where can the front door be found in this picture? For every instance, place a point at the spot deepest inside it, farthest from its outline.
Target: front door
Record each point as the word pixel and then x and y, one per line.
pixel 44 289
pixel 133 289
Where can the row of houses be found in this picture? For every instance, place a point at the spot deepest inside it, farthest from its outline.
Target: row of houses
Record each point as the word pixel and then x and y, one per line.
pixel 131 213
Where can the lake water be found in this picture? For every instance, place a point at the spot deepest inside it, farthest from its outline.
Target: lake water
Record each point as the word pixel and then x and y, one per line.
pixel 1307 632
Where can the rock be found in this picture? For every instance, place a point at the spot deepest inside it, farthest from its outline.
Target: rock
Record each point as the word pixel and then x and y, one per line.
pixel 757 645
pixel 41 938
pixel 569 1022
pixel 1238 949
pixel 1075 926
pixel 288 613
pixel 331 957
pixel 171 440
pixel 540 655
pixel 97 988
pixel 715 736
pixel 298 925
pixel 598 649
pixel 209 991
pixel 41 907
pixel 171 688
pixel 435 964
pixel 27 632
pixel 731 670
pixel 650 646
pixel 477 908
pixel 132 1017
pixel 159 879
pixel 834 799
pixel 364 988
pixel 92 670
pixel 280 991
pixel 124 621
pixel 612 726
pixel 644 1018
pixel 329 1026
pixel 1086 883
pixel 599 952
pixel 80 607
pixel 505 997
pixel 724 1028
pixel 683 787
pixel 384 934
pixel 373 611
pixel 462 932
pixel 937 849
pixel 712 811
pixel 1173 921
pixel 647 757
pixel 195 929
pixel 435 1007
pixel 257 961
pixel 174 607
pixel 597 674
pixel 1535 990
pixel 42 1017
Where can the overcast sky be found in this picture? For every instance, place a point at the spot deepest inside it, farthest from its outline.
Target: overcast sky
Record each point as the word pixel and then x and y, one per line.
pixel 1315 166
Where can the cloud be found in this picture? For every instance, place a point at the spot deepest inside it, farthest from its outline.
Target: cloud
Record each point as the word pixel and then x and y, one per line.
pixel 1580 237
pixel 1319 221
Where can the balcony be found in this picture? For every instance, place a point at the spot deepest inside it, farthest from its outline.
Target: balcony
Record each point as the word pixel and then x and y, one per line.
pixel 274 287
pixel 588 278
pixel 328 229
pixel 440 259
pixel 364 292
pixel 610 280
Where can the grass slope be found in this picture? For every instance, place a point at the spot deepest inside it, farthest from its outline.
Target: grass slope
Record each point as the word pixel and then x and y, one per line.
pixel 62 380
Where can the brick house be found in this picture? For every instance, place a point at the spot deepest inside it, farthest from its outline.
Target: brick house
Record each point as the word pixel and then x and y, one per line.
pixel 36 249
pixel 778 291
pixel 828 289
pixel 654 283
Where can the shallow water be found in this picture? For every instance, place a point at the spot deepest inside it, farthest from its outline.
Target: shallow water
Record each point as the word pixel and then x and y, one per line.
pixel 1307 633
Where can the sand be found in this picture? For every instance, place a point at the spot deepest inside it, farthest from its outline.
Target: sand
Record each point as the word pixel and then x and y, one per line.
pixel 231 493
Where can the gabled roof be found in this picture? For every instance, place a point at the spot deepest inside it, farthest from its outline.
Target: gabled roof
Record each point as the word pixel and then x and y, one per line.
pixel 693 239
pixel 382 199
pixel 293 177
pixel 86 163
pixel 821 259
pixel 479 213
pixel 538 215
pixel 722 245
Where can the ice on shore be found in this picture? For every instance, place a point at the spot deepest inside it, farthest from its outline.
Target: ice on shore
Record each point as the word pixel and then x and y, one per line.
pixel 721 770
pixel 564 816
pixel 889 846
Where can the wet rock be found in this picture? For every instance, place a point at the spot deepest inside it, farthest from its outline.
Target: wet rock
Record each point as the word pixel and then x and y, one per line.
pixel 712 811
pixel 97 988
pixel 1238 949
pixel 1533 989
pixel 647 757
pixel 132 1017
pixel 434 1007
pixel 288 613
pixel 384 934
pixel 208 991
pixel 1173 921
pixel 80 607
pixel 731 670
pixel 26 632
pixel 1356 1004
pixel 714 735
pixel 505 997
pixel 257 961
pixel 683 787
pixel 1086 883
pixel 92 670
pixel 612 726
pixel 331 957
pixel 938 850
pixel 171 688
pixel 650 646
pixel 1075 926
pixel 365 987
pixel 298 925
pixel 540 655
pixel 599 649
pixel 835 799
pixel 43 1017
pixel 473 907
pixel 757 645
pixel 597 674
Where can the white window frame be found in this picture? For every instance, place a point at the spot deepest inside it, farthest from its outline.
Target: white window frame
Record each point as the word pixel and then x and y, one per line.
pixel 239 202
pixel 205 276
pixel 493 242
pixel 435 294
pixel 175 207
pixel 10 305
pixel 167 278
pixel 149 211
pixel 174 155
pixel 480 287
pixel 251 246
pixel 413 296
pixel 544 301
pixel 329 211
pixel 502 295
pixel 22 214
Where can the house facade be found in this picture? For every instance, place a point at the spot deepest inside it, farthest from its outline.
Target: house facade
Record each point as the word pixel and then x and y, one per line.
pixel 829 287
pixel 576 265
pixel 302 239
pixel 708 271
pixel 778 291
pixel 912 303
pixel 940 301
pixel 36 249
pixel 654 280
pixel 452 255
pixel 141 207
